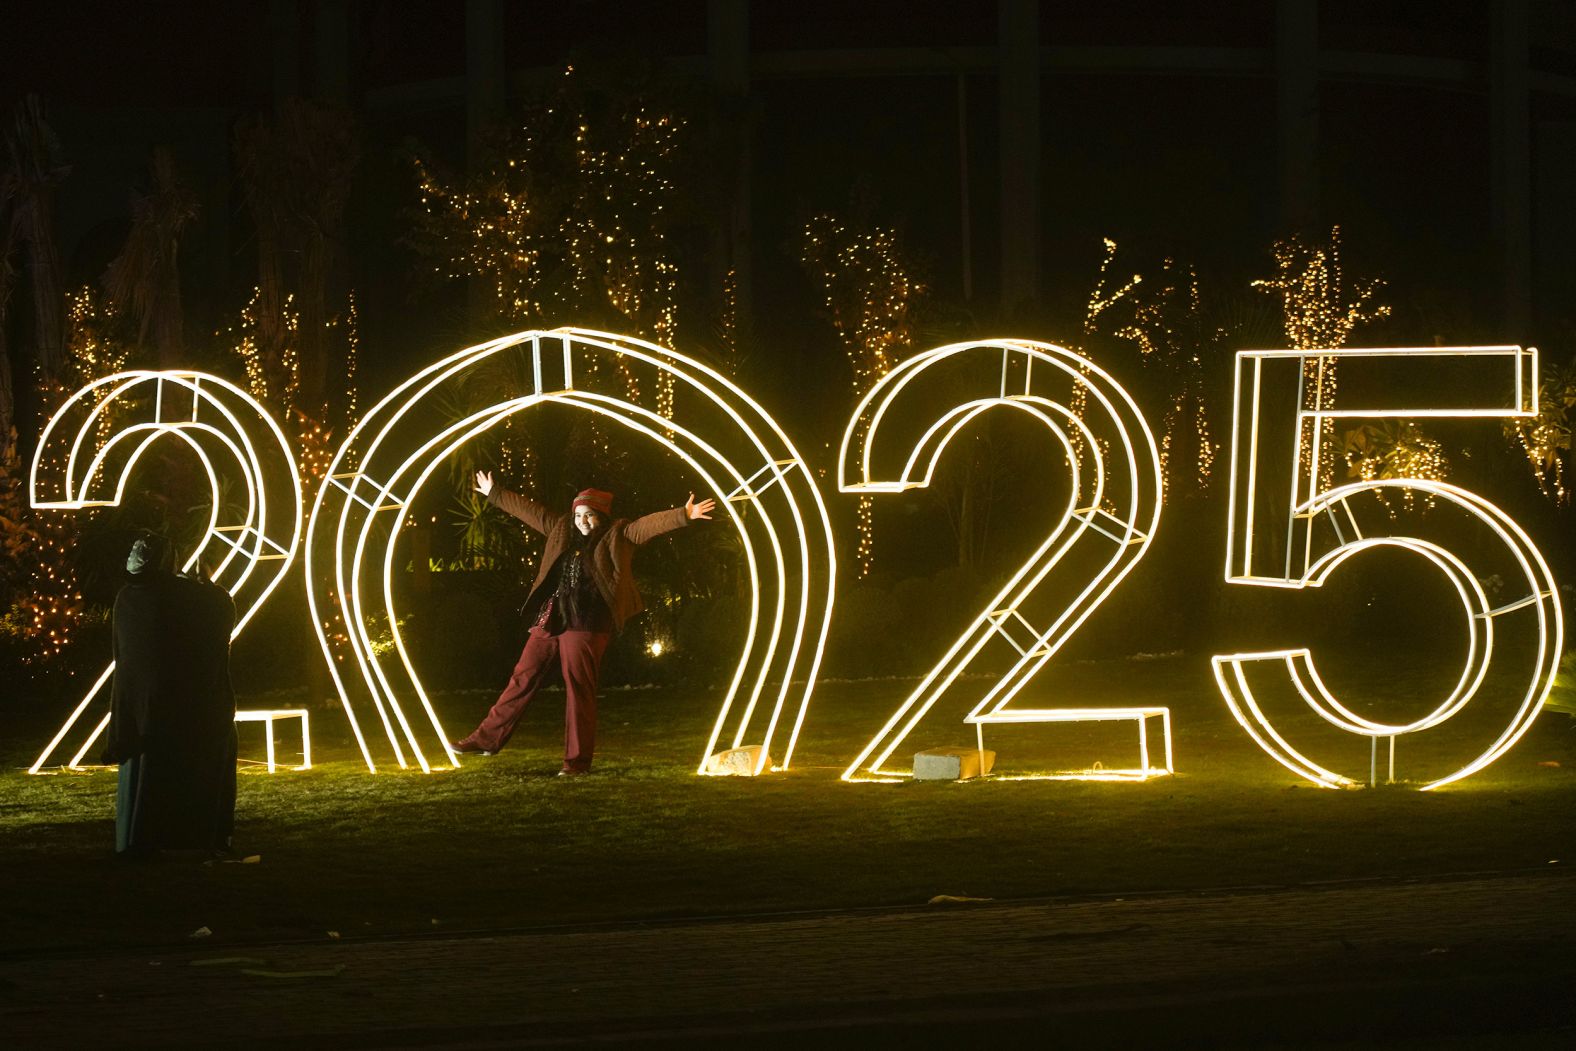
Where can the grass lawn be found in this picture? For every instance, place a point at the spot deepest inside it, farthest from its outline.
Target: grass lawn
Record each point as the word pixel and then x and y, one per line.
pixel 504 843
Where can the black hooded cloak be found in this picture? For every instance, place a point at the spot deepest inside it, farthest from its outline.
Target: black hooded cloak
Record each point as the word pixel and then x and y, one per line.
pixel 172 718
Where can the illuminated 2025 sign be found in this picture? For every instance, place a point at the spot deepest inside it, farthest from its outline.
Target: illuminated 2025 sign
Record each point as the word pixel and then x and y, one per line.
pixel 91 445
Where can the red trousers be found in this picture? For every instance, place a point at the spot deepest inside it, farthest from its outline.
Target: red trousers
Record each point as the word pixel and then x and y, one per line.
pixel 578 656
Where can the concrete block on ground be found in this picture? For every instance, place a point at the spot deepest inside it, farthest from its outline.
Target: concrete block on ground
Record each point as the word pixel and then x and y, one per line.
pixel 951 764
pixel 739 762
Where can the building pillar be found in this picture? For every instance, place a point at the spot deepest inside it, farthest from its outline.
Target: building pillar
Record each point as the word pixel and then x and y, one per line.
pixel 1554 235
pixel 1297 113
pixel 1510 152
pixel 728 57
pixel 1019 77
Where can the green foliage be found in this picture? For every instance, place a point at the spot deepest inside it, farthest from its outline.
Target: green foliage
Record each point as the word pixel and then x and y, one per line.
pixel 1562 698
pixel 1546 437
pixel 1393 449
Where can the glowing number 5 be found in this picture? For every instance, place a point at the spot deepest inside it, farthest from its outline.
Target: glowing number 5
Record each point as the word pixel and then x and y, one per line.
pixel 86 455
pixel 1321 528
pixel 1109 519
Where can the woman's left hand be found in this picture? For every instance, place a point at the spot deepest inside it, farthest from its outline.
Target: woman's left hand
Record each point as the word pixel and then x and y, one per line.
pixel 701 510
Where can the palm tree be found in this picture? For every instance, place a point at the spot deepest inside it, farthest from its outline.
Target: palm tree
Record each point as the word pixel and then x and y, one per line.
pixel 34 166
pixel 7 282
pixel 297 174
pixel 144 281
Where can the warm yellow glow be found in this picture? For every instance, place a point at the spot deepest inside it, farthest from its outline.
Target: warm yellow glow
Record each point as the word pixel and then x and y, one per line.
pixel 604 219
pixel 1140 716
pixel 1546 436
pixel 1320 313
pixel 1325 526
pixel 75 465
pixel 268 717
pixel 731 443
pixel 869 291
pixel 279 386
pixel 1398 449
pixel 1112 510
pixel 1170 330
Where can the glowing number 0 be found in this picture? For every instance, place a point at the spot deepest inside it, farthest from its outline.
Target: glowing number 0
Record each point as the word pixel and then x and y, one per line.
pixel 721 433
pixel 90 446
pixel 1325 527
pixel 1112 509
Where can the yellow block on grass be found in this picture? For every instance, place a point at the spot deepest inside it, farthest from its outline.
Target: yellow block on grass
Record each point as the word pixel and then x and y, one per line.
pixel 739 762
pixel 951 764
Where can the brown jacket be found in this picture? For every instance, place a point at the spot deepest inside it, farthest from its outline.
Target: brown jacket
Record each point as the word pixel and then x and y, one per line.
pixel 611 557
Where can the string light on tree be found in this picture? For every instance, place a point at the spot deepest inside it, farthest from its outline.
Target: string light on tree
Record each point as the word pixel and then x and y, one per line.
pixel 272 382
pixel 1546 437
pixel 314 438
pixel 868 285
pixel 1319 314
pixel 1395 449
pixel 1101 299
pixel 728 320
pixel 49 608
pixel 352 357
pixel 569 219
pixel 1171 333
pixel 275 379
pixel 91 352
pixel 48 614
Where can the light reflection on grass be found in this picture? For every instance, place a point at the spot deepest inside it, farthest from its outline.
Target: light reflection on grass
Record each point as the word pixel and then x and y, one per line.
pixel 505 843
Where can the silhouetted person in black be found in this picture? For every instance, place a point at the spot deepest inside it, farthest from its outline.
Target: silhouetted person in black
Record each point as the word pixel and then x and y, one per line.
pixel 172 717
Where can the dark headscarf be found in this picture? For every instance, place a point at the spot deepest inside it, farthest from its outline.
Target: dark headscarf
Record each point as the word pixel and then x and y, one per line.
pixel 151 556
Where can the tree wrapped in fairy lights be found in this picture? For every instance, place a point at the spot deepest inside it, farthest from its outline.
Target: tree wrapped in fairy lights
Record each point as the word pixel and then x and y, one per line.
pixel 1320 312
pixel 297 336
pixel 1393 449
pixel 47 607
pixel 569 217
pixel 1546 437
pixel 1171 332
pixel 280 386
pixel 871 290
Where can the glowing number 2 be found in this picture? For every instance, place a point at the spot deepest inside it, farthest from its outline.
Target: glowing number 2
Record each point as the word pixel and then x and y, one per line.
pixel 730 442
pixel 1325 527
pixel 1112 510
pixel 90 446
